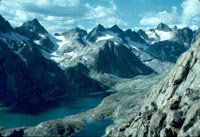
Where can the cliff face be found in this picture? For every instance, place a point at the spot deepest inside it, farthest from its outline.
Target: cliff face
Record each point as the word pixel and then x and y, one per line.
pixel 173 106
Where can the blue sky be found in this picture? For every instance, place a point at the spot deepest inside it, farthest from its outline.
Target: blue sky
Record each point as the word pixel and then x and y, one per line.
pixel 60 15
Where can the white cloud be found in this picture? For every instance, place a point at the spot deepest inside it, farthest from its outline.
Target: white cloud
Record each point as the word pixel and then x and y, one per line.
pixel 99 11
pixel 191 11
pixel 59 15
pixel 189 16
pixel 153 18
pixel 106 16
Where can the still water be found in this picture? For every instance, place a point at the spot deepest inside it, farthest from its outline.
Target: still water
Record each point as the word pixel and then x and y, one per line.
pixel 72 106
pixel 94 129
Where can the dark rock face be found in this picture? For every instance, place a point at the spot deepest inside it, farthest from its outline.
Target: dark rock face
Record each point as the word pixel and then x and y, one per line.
pixel 117 30
pixel 166 50
pixel 4 25
pixel 119 60
pixel 30 81
pixel 134 36
pixel 142 34
pixel 36 32
pixel 79 79
pixel 163 27
pixel 185 36
pixel 96 32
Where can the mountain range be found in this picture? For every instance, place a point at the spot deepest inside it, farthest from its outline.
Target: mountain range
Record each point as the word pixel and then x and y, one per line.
pixel 37 66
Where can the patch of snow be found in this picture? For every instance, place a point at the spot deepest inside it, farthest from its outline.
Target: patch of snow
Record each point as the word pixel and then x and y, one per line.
pixel 105 37
pixel 37 42
pixel 135 45
pixel 85 58
pixel 72 54
pixel 164 35
pixel 58 59
pixel 86 42
pixel 61 41
pixel 151 35
pixel 42 36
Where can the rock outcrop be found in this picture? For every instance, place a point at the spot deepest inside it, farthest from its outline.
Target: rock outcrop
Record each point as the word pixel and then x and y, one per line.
pixel 173 106
pixel 58 127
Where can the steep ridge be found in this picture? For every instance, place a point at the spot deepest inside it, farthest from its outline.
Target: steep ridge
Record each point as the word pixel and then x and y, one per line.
pixel 156 47
pixel 4 25
pixel 38 34
pixel 108 57
pixel 172 108
pixel 119 60
pixel 27 77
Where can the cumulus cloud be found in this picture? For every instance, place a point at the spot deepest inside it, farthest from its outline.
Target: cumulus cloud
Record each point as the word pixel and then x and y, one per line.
pixel 189 16
pixel 58 15
pixel 153 18
pixel 105 15
pixel 59 8
pixel 191 11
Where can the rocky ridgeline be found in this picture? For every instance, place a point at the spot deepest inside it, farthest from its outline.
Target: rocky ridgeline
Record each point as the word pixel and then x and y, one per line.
pixel 58 128
pixel 173 106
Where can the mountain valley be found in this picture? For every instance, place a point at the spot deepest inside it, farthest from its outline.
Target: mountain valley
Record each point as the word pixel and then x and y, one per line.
pixel 150 78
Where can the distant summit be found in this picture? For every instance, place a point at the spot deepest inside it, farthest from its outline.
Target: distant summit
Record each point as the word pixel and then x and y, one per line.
pixel 36 32
pixel 76 32
pixel 33 26
pixel 163 27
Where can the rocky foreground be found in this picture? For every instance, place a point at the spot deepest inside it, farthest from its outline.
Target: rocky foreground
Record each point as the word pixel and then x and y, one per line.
pixel 173 106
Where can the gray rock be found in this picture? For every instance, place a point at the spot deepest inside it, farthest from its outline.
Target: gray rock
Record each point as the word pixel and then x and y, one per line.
pixel 175 119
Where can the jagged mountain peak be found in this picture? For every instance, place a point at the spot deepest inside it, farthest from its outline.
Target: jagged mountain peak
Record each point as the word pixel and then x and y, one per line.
pixel 187 29
pixel 34 26
pixel 35 21
pixel 100 28
pixel 163 27
pixel 75 32
pixel 5 25
pixel 38 34
pixel 142 34
pixel 96 32
pixel 133 36
pixel 119 60
pixel 116 29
